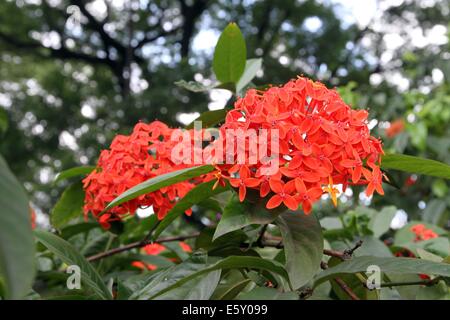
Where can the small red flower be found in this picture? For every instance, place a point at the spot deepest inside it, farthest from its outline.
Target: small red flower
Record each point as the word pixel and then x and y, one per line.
pixel 243 182
pixel 154 249
pixel 283 194
pixel 185 247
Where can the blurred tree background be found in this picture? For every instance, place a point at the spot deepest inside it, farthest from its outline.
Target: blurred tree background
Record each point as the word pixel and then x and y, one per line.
pixel 74 73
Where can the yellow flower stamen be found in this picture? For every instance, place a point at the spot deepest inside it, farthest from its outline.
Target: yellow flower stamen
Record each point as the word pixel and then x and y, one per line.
pixel 332 191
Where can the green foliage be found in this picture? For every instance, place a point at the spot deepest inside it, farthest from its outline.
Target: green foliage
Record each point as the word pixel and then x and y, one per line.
pixel 196 195
pixel 16 239
pixel 416 165
pixel 303 246
pixel 237 215
pixel 388 265
pixel 69 255
pixel 69 206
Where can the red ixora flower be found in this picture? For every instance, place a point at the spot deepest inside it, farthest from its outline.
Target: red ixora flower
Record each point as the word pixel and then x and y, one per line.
pixel 130 160
pixel 423 233
pixel 321 140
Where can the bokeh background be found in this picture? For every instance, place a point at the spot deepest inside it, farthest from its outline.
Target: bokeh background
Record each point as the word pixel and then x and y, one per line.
pixel 74 73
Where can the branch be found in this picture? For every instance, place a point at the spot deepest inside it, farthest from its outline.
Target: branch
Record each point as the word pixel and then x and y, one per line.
pixel 138 244
pixel 190 15
pixel 62 52
pixel 341 283
pixel 98 26
pixel 427 283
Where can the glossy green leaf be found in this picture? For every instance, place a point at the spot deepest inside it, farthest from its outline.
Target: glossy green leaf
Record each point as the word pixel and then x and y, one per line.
pixel 303 245
pixel 69 206
pixel 196 289
pixel 230 55
pixel 16 237
pixel 71 256
pixel 159 182
pixel 73 172
pixel 434 211
pixel 417 165
pixel 388 265
pixel 252 66
pixel 230 263
pixel 234 289
pixel 380 222
pixel 194 196
pixel 78 228
pixel 237 215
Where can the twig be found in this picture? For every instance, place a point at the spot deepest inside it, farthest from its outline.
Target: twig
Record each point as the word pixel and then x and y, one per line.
pixel 427 283
pixel 342 284
pixel 138 244
pixel 349 252
pixel 259 241
pixel 271 241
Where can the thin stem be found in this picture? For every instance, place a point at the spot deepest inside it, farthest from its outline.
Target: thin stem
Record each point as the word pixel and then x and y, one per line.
pixel 260 239
pixel 341 283
pixel 138 244
pixel 411 283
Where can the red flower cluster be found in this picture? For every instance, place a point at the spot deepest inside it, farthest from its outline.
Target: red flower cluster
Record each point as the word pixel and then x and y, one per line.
pixel 322 142
pixel 133 159
pixel 422 233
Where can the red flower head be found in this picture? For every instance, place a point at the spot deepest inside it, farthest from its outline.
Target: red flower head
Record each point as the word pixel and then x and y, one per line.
pixel 422 233
pixel 133 159
pixel 321 142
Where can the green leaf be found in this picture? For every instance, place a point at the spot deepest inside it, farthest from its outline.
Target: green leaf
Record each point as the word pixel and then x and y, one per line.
pixel 137 228
pixel 423 254
pixel 159 182
pixel 371 246
pixel 73 230
pixel 194 196
pixel 231 263
pixel 230 55
pixel 439 291
pixel 303 245
pixel 252 66
pixel 210 118
pixel 69 255
pixel 237 215
pixel 416 165
pixel 388 265
pixel 380 222
pixel 195 289
pixel 16 237
pixel 434 210
pixel 193 86
pixel 229 244
pixel 234 289
pixel 263 293
pixel 3 121
pixel 69 206
pixel 73 172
